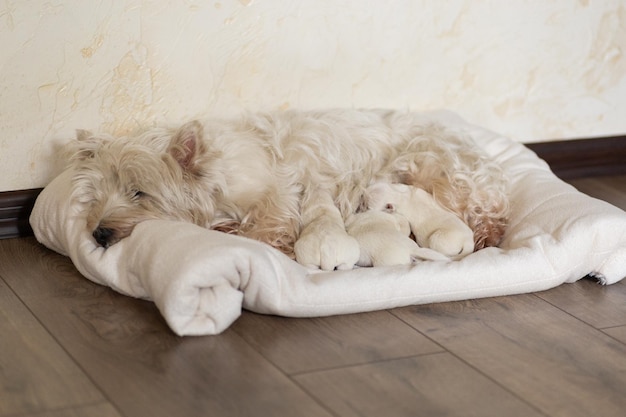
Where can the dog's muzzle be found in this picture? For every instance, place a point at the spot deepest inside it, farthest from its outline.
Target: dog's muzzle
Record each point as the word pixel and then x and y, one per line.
pixel 103 236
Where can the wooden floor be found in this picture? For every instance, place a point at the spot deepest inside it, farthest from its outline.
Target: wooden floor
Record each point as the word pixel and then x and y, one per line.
pixel 72 348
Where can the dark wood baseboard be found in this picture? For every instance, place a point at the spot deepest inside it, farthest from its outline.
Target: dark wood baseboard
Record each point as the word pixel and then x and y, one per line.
pixel 568 159
pixel 15 208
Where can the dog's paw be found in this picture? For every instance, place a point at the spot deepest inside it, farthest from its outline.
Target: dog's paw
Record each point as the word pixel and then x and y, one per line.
pixel 327 249
pixel 455 242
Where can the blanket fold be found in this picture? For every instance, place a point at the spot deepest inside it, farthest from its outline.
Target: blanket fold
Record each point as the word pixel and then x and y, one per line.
pixel 200 280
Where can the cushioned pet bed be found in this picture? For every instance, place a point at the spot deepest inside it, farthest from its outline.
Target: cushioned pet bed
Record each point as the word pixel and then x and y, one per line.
pixel 200 279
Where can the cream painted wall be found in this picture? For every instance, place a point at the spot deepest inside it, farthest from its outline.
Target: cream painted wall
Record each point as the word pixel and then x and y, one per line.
pixel 534 70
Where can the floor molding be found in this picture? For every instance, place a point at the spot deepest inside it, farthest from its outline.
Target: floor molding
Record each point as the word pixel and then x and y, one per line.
pixel 579 158
pixel 15 208
pixel 568 159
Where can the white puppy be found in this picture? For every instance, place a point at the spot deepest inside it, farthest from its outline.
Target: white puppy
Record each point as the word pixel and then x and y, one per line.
pixel 432 225
pixel 384 240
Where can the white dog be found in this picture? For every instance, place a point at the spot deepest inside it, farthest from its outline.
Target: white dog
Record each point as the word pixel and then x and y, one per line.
pixel 432 225
pixel 393 212
pixel 289 179
pixel 383 238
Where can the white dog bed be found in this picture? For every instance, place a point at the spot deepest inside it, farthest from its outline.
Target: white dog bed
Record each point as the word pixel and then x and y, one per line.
pixel 200 279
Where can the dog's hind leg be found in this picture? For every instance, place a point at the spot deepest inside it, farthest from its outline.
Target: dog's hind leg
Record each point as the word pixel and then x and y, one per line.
pixel 461 179
pixel 324 242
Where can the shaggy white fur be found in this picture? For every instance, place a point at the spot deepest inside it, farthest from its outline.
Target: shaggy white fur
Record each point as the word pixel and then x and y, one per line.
pixel 289 179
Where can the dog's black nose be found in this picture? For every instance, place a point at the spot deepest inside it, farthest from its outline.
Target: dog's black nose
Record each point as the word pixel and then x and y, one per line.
pixel 102 236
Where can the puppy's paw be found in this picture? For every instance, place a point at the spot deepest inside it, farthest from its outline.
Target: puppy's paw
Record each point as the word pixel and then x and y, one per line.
pixel 455 242
pixel 403 251
pixel 396 251
pixel 327 249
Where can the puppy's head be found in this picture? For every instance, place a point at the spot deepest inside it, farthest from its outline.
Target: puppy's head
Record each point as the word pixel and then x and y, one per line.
pixel 125 181
pixel 385 197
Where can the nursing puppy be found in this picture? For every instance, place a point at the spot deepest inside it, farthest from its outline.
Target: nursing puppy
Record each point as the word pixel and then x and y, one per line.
pixel 289 179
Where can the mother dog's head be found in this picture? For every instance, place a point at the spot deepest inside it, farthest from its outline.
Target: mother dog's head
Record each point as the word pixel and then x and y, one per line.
pixel 160 174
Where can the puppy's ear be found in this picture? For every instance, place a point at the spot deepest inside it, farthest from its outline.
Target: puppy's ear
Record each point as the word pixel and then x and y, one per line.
pixel 83 135
pixel 85 145
pixel 187 145
pixel 373 197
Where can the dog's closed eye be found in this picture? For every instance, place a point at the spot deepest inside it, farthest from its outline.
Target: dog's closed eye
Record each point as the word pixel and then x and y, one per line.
pixel 390 208
pixel 137 194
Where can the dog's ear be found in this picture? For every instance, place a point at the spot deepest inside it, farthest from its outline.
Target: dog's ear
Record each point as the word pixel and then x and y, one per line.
pixel 187 145
pixel 85 145
pixel 83 135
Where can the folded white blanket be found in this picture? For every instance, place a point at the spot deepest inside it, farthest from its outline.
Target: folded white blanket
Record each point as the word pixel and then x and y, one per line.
pixel 200 279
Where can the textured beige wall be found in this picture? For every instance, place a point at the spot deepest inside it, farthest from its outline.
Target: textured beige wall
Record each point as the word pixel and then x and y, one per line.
pixel 534 70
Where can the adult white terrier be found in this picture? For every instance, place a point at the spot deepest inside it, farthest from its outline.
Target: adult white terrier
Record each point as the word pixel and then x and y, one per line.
pixel 289 179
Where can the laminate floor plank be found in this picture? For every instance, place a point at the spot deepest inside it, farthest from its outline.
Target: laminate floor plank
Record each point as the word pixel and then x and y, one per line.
pixel 331 341
pixel 98 410
pixel 598 305
pixel 542 354
pixel 618 333
pixel 124 345
pixel 429 385
pixel 36 374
